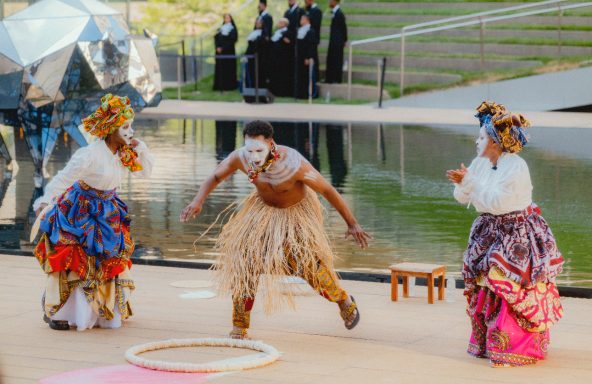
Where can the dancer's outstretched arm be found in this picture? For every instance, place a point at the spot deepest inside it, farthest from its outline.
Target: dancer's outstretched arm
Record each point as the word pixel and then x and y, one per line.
pixel 226 168
pixel 313 179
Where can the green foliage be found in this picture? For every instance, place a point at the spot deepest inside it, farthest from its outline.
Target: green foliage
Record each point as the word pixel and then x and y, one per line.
pixel 172 19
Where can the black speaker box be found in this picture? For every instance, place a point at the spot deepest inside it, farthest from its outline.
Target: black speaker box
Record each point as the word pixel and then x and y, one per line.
pixel 264 96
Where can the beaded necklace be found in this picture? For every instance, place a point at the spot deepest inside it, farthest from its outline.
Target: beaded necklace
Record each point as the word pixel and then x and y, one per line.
pixel 253 171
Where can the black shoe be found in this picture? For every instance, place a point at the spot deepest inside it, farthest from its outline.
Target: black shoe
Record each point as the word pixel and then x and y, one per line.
pixel 58 325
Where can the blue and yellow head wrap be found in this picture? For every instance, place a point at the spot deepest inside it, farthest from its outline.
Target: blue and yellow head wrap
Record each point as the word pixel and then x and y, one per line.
pixel 503 127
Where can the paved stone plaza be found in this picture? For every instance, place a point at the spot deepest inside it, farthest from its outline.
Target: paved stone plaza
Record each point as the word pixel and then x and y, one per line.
pixel 404 342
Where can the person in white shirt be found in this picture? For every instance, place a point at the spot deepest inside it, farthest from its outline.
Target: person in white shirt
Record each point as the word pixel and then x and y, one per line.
pixel 512 259
pixel 85 246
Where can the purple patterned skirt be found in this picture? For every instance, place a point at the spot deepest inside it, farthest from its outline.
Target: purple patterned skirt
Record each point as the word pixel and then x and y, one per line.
pixel 521 244
pixel 509 270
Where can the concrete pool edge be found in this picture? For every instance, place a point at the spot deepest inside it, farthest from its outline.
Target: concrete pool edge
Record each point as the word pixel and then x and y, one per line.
pixel 346 113
pixel 565 291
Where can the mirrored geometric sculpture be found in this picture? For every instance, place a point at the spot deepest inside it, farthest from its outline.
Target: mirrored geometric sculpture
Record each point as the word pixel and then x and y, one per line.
pixel 58 57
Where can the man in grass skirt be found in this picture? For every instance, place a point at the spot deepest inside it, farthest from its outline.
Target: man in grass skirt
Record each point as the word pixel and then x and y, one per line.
pixel 278 229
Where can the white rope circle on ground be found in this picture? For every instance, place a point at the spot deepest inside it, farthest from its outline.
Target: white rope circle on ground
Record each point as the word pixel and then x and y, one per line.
pixel 271 355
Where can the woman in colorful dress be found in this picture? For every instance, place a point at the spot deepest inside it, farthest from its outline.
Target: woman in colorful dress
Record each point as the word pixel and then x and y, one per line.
pixel 512 259
pixel 86 247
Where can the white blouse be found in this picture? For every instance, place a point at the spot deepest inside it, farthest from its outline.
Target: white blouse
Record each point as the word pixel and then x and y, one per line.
pixel 497 192
pixel 98 167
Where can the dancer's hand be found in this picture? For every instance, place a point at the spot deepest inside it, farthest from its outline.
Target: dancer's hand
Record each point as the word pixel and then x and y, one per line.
pixel 134 143
pixel 360 236
pixel 190 212
pixel 41 208
pixel 457 175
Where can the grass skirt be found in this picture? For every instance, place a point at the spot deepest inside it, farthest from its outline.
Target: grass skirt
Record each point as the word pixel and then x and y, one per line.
pixel 260 240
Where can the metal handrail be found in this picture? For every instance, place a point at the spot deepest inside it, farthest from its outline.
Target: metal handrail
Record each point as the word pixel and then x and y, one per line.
pixel 480 20
pixel 456 18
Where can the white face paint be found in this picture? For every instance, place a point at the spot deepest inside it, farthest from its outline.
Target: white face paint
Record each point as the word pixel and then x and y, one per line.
pixel 126 132
pixel 257 151
pixel 282 170
pixel 482 141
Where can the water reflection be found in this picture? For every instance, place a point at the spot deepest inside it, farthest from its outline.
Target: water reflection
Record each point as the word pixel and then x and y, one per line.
pixel 225 138
pixel 392 177
pixel 336 158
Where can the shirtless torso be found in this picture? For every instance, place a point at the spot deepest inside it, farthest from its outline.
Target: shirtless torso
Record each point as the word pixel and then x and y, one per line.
pixel 283 184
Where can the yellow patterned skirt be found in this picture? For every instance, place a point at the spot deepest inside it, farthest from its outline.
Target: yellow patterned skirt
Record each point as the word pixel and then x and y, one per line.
pixel 268 242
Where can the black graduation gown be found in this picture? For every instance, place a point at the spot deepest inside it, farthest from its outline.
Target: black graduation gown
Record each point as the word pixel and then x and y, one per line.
pixel 337 40
pixel 225 71
pixel 305 50
pixel 282 73
pixel 261 47
pixel 294 18
pixel 267 28
pixel 316 19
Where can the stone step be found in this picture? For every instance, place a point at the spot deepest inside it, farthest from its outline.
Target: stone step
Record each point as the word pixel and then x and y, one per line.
pixel 476 7
pixel 464 48
pixel 411 78
pixel 358 33
pixel 358 92
pixel 406 19
pixel 465 64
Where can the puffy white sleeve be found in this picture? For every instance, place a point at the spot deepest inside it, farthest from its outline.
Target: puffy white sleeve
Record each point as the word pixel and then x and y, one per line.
pixel 145 158
pixel 462 191
pixel 509 193
pixel 65 178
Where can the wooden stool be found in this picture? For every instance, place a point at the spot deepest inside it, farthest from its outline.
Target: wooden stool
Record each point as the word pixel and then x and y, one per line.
pixel 429 271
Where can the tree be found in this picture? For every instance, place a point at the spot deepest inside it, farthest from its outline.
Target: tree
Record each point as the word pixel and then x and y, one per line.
pixel 174 19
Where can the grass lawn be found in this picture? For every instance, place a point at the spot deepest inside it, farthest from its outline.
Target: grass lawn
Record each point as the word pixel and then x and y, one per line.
pixel 203 91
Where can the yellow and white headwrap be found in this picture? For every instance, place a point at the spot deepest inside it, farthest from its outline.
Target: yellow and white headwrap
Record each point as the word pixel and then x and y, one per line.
pixel 113 113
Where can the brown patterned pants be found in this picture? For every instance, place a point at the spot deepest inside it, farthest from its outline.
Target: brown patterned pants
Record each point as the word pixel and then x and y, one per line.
pixel 323 282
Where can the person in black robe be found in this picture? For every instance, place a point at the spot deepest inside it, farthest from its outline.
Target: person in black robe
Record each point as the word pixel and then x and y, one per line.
pixel 315 14
pixel 225 71
pixel 337 42
pixel 266 19
pixel 257 45
pixel 306 43
pixel 282 51
pixel 265 59
pixel 293 14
